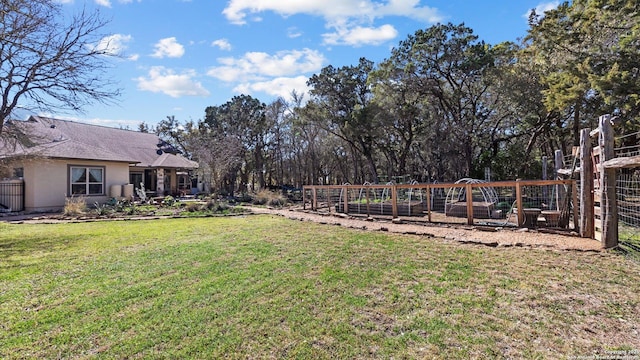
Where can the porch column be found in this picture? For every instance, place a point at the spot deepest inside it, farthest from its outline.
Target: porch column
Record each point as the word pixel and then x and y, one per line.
pixel 160 182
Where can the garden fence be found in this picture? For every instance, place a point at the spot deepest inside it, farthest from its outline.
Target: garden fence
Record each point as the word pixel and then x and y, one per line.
pixel 526 203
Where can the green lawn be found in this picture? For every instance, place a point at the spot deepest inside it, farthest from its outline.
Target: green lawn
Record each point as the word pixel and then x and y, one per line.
pixel 268 287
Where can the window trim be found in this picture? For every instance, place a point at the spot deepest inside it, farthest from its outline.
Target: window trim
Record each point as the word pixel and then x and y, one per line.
pixel 70 168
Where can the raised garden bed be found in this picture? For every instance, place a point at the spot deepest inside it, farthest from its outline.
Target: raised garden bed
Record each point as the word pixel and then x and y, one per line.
pixel 481 210
pixel 415 208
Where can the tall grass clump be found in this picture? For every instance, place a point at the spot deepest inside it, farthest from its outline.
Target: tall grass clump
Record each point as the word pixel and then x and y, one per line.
pixel 270 198
pixel 74 206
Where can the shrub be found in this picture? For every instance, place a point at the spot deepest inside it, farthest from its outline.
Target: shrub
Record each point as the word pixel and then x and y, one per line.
pixel 215 206
pixel 277 201
pixel 74 206
pixel 221 207
pixel 103 209
pixel 210 205
pixel 270 198
pixel 193 207
pixel 168 200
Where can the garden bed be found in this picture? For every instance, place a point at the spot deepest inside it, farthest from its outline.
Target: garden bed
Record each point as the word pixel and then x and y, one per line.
pixel 414 208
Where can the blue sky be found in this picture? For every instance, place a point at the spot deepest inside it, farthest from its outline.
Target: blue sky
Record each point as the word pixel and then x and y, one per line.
pixel 180 56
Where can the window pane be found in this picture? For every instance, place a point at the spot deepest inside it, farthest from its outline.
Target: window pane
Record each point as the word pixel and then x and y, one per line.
pixel 78 189
pixel 78 175
pixel 95 175
pixel 95 189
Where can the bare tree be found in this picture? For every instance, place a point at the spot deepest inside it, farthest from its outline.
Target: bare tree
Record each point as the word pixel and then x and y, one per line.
pixel 50 62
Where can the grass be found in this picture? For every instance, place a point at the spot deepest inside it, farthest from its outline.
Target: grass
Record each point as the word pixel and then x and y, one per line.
pixel 268 287
pixel 629 241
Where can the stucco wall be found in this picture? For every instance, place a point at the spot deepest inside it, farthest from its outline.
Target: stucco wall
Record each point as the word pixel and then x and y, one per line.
pixel 47 182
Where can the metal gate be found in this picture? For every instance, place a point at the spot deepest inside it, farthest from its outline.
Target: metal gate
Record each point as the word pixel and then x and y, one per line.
pixel 11 195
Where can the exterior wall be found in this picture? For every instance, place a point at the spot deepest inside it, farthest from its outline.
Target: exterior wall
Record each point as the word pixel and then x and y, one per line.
pixel 47 182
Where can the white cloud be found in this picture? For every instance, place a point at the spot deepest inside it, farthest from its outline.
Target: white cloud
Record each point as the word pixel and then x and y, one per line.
pixel 260 66
pixel 293 32
pixel 237 10
pixel 541 8
pixel 166 81
pixel 361 35
pixel 222 44
pixel 105 3
pixel 168 47
pixel 350 18
pixel 278 87
pixel 115 44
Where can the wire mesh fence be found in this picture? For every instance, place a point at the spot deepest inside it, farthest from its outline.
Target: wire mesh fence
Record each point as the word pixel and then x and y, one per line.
pixel 628 199
pixel 531 204
pixel 628 196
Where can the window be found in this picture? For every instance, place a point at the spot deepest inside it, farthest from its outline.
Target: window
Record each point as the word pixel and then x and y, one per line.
pixel 18 172
pixel 135 179
pixel 86 180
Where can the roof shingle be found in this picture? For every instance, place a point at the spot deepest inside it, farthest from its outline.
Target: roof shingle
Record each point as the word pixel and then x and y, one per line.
pixel 72 140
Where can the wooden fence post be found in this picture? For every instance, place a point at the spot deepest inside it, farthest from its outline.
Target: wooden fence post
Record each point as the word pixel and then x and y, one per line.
pixel 559 165
pixel 545 190
pixel 314 194
pixel 346 199
pixel 519 204
pixel 394 201
pixel 428 203
pixel 586 185
pixel 469 194
pixel 608 185
pixel 367 197
pixel 304 198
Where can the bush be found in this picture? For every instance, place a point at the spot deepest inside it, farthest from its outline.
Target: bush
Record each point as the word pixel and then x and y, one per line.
pixel 104 209
pixel 210 205
pixel 168 200
pixel 74 206
pixel 270 198
pixel 277 201
pixel 194 207
pixel 221 207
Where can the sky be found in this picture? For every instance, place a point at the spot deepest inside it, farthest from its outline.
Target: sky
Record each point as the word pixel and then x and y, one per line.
pixel 177 57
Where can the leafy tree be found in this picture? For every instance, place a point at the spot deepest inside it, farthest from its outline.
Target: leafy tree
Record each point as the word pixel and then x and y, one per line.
pixel 48 63
pixel 342 104
pixel 445 65
pixel 591 50
pixel 241 121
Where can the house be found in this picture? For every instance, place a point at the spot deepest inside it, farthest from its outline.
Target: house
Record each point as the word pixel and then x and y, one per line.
pixel 58 159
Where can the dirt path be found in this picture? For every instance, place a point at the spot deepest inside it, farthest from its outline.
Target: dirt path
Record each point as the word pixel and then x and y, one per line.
pixel 497 237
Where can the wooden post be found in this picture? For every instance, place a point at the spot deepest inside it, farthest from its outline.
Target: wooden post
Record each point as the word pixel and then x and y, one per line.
pixel 545 190
pixel 394 201
pixel 329 199
pixel 469 194
pixel 608 185
pixel 574 198
pixel 429 203
pixel 304 198
pixel 519 204
pixel 367 197
pixel 559 164
pixel 586 186
pixel 314 204
pixel 346 199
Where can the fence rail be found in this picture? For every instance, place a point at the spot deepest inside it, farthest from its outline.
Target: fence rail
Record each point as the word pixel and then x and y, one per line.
pixel 527 203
